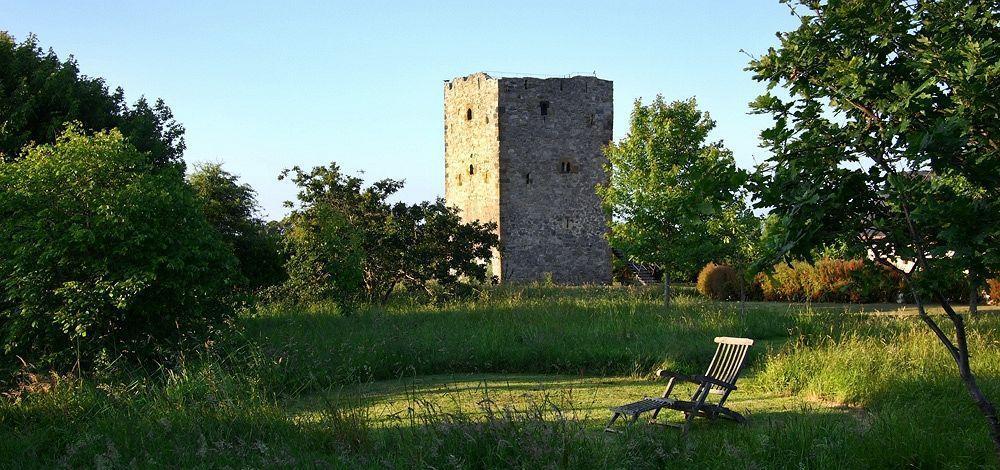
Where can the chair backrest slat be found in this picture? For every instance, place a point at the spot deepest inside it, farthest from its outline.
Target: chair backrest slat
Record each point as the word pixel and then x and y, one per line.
pixel 728 361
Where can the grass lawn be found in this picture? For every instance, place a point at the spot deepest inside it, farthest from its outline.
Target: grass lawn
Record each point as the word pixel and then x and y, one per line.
pixel 522 377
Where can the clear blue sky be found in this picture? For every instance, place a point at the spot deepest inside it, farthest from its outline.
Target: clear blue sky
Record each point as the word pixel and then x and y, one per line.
pixel 264 86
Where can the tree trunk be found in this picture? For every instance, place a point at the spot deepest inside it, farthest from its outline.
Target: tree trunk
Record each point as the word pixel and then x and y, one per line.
pixel 985 407
pixel 743 296
pixel 960 352
pixel 666 288
pixel 973 299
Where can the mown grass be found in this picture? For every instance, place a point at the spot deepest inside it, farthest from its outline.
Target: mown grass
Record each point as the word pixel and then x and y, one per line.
pixel 521 378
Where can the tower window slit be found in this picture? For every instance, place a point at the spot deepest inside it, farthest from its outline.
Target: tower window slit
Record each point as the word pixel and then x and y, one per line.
pixel 544 108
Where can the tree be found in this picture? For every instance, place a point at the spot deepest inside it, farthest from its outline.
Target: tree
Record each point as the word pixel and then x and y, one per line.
pixel 888 134
pixel 741 234
pixel 232 209
pixel 669 188
pixel 39 94
pixel 104 255
pixel 347 243
pixel 440 250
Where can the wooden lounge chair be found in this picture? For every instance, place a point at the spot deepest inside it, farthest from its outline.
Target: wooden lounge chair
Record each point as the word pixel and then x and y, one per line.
pixel 720 379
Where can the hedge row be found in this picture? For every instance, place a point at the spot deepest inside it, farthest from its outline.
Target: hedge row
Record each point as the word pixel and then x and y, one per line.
pixel 828 280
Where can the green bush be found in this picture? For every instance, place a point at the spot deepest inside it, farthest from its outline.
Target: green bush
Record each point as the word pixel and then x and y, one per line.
pixel 232 209
pixel 349 244
pixel 104 255
pixel 719 282
pixel 41 93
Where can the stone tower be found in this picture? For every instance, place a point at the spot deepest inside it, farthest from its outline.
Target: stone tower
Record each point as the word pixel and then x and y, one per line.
pixel 526 153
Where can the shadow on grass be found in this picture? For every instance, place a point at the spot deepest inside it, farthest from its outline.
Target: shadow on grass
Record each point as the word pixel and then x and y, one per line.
pixel 309 350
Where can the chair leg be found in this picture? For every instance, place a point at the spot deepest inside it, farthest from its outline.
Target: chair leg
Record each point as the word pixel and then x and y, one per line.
pixel 613 419
pixel 656 413
pixel 688 417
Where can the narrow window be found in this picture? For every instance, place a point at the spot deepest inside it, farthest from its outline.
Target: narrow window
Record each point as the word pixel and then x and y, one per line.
pixel 472 170
pixel 544 106
pixel 591 119
pixel 468 114
pixel 565 167
pixel 527 178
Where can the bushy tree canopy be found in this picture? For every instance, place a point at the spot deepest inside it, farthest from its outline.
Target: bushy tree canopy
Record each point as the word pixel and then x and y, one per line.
pixel 348 243
pixel 39 94
pixel 231 207
pixel 673 195
pixel 887 133
pixel 104 255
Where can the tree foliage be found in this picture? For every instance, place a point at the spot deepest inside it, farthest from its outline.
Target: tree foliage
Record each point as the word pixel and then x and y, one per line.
pixel 888 133
pixel 39 94
pixel 348 243
pixel 104 255
pixel 674 197
pixel 232 208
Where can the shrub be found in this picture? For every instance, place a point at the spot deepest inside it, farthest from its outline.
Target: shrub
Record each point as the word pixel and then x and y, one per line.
pixel 830 280
pixel 104 255
pixel 719 282
pixel 232 209
pixel 993 291
pixel 40 93
pixel 348 244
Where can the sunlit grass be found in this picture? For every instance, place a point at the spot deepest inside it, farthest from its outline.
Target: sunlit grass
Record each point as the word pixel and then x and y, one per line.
pixel 523 378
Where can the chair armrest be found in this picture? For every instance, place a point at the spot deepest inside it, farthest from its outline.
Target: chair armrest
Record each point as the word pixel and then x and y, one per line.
pixel 716 382
pixel 666 374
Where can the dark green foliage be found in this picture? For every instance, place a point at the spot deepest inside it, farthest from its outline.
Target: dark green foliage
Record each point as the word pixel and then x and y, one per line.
pixel 104 255
pixel 39 94
pixel 349 244
pixel 232 209
pixel 673 195
pixel 889 136
pixel 887 133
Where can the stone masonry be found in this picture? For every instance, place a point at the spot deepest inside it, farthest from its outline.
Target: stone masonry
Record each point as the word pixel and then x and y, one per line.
pixel 526 153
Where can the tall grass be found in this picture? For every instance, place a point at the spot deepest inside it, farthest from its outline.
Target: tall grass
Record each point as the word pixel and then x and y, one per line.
pixel 580 332
pixel 871 391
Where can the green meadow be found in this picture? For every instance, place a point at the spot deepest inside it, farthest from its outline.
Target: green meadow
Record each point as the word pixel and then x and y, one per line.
pixel 521 377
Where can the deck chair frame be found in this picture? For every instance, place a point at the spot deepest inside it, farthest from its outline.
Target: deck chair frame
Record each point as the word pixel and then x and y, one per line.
pixel 720 379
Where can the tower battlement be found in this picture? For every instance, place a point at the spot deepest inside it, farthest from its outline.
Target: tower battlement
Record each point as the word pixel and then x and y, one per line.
pixel 526 153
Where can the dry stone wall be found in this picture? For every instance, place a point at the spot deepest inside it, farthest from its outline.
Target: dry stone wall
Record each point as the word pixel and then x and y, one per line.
pixel 541 142
pixel 471 148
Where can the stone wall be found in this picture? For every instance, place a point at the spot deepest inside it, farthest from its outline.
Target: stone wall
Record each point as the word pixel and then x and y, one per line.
pixel 552 132
pixel 472 149
pixel 529 158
